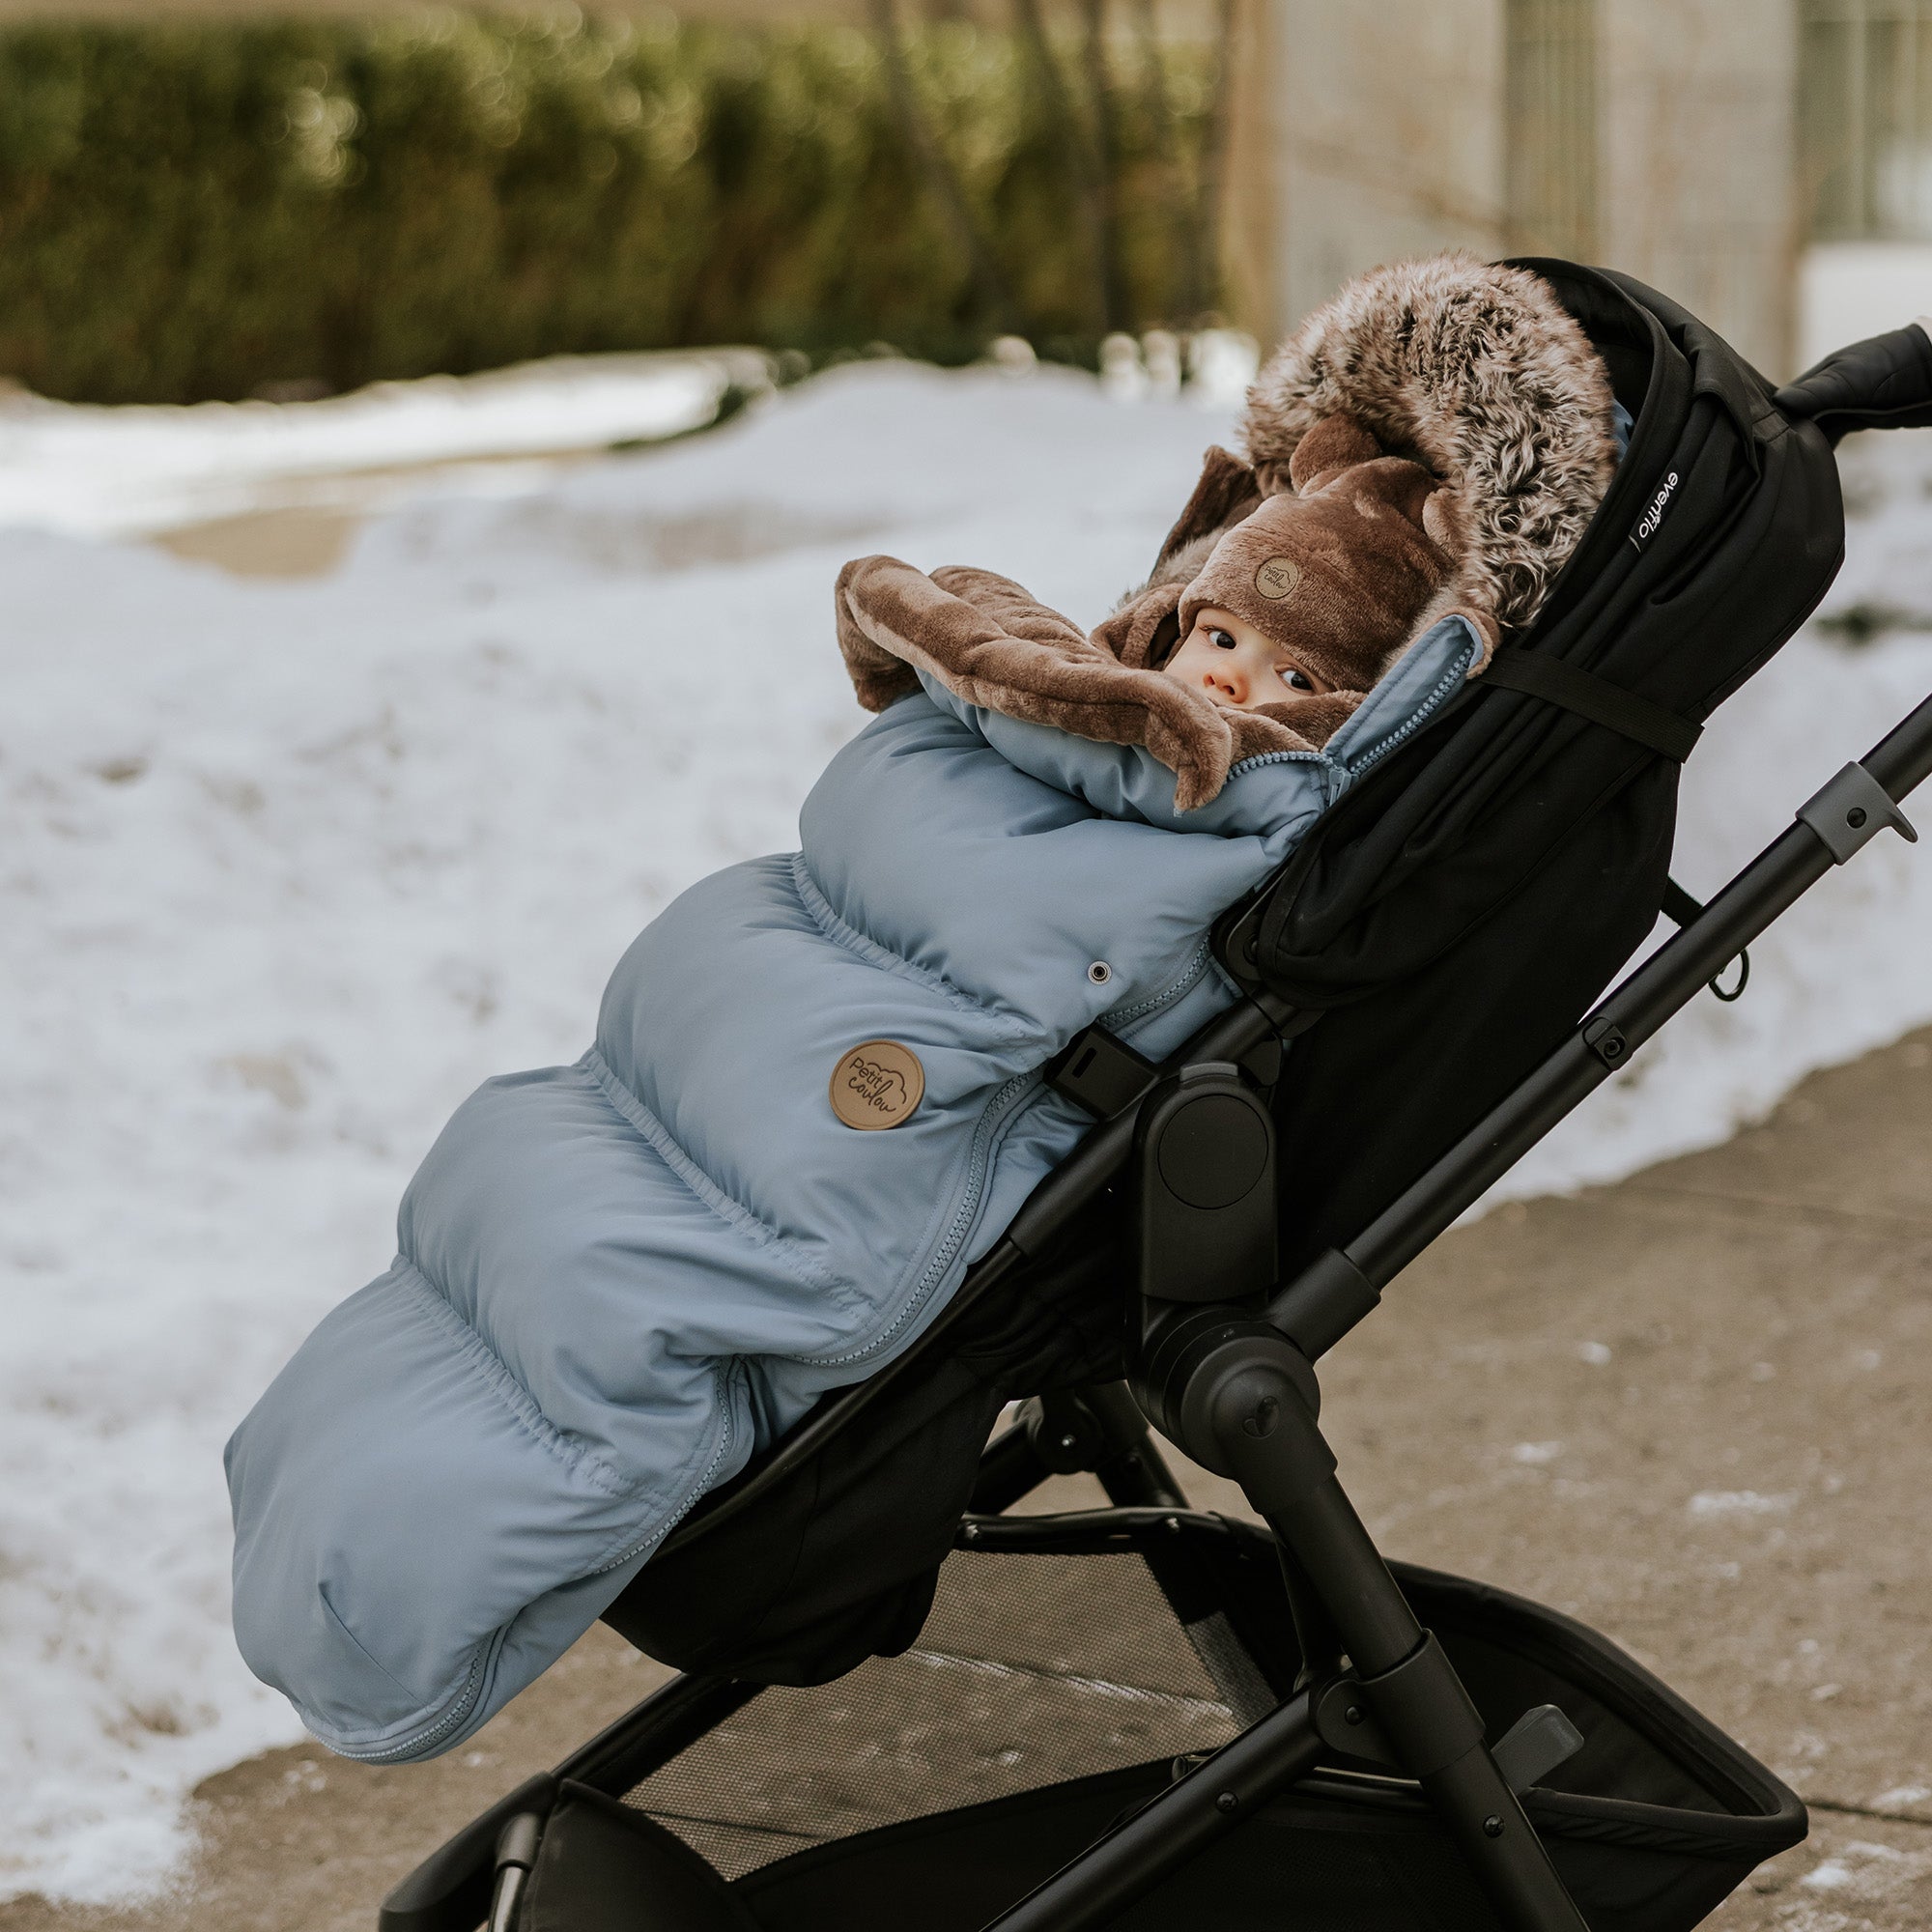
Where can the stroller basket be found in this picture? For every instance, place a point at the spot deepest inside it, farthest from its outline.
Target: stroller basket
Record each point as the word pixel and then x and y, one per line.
pixel 1071 1668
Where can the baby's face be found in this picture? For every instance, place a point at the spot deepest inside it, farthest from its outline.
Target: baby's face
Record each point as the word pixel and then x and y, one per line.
pixel 1235 665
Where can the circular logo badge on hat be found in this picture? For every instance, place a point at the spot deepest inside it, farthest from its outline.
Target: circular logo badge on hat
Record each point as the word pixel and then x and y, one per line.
pixel 1277 577
pixel 878 1084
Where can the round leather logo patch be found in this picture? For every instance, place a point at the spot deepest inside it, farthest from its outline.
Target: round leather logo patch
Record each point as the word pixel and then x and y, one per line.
pixel 1277 577
pixel 877 1084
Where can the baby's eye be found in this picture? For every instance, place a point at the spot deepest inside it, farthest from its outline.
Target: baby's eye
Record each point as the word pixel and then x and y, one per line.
pixel 1222 640
pixel 1296 678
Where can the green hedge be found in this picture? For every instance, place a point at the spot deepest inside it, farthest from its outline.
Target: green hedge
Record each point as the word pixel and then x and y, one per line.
pixel 193 211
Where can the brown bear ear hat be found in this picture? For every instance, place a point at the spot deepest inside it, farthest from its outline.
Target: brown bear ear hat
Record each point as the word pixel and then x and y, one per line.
pixel 1476 372
pixel 1339 572
pixel 1470 379
pixel 1472 370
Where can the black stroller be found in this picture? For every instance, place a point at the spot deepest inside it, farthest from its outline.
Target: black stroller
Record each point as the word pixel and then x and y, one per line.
pixel 1195 1722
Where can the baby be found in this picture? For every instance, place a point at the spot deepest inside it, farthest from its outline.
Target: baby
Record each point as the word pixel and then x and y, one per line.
pixel 1304 603
pixel 617 1279
pixel 1431 444
pixel 1268 618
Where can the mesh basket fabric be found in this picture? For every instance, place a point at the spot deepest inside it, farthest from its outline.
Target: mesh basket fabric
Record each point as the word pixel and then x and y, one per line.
pixel 1069 1662
pixel 1094 1675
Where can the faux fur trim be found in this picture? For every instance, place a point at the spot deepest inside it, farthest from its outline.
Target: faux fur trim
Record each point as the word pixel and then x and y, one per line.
pixel 1480 373
pixel 990 642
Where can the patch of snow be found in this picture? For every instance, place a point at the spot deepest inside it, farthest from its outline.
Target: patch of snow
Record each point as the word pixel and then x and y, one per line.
pixel 1900 1796
pixel 1708 1505
pixel 1867 1871
pixel 97 472
pixel 286 869
pixel 1221 363
pixel 1850 290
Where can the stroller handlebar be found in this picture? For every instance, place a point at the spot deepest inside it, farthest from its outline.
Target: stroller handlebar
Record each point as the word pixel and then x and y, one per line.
pixel 1882 382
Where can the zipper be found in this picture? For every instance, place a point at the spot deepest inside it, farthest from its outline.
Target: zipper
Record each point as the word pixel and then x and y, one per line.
pixel 1417 719
pixel 1452 679
pixel 1261 758
pixel 690 1503
pixel 1456 675
pixel 998 1109
pixel 458 1714
pixel 967 1213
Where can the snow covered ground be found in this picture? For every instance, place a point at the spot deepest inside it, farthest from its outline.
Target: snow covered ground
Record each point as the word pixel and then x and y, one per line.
pixel 287 867
pixel 106 473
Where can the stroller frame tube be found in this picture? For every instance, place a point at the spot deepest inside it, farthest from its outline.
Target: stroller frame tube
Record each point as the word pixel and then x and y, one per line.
pixel 1173 1827
pixel 1261 1430
pixel 1340 1287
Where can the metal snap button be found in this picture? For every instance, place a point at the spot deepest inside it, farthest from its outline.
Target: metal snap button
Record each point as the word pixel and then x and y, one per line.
pixel 1099 971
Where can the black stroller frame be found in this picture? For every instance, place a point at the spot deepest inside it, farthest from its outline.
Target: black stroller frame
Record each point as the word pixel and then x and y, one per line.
pixel 1221 1357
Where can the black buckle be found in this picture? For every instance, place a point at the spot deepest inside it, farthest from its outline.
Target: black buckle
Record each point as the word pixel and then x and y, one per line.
pixel 1099 1073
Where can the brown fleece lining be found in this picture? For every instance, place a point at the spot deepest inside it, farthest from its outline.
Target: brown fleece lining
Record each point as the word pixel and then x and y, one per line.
pixel 991 644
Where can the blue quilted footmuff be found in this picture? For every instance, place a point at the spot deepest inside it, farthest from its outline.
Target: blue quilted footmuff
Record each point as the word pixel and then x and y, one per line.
pixel 617 1280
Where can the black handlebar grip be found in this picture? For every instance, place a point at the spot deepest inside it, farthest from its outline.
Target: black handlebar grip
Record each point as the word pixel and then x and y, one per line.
pixel 1882 383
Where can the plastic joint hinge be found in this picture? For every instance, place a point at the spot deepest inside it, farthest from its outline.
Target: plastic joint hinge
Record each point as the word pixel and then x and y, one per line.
pixel 1851 811
pixel 1424 1709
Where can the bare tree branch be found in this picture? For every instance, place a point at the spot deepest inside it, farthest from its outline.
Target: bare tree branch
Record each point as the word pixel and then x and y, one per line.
pixel 991 288
pixel 1106 147
pixel 1080 165
pixel 1205 254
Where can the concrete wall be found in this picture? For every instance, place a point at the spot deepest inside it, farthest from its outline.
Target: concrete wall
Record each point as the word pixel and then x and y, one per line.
pixel 1388 139
pixel 1698 170
pixel 1381 130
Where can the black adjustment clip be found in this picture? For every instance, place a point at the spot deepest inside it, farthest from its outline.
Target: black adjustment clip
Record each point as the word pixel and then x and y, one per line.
pixel 1607 1042
pixel 1850 812
pixel 1534 1745
pixel 1099 1073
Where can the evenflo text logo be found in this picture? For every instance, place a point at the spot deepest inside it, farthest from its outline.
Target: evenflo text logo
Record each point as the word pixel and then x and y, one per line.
pixel 1646 525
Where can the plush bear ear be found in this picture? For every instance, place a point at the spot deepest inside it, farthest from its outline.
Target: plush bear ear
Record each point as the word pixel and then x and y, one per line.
pixel 1335 443
pixel 1442 522
pixel 1226 494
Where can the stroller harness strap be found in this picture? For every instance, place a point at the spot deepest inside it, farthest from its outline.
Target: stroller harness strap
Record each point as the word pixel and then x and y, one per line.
pixel 1597 699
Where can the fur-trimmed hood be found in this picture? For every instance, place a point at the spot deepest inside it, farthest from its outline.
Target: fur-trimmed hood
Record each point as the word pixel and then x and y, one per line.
pixel 1479 372
pixel 1473 369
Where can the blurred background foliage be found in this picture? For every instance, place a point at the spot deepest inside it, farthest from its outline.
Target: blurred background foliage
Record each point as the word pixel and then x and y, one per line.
pixel 197 209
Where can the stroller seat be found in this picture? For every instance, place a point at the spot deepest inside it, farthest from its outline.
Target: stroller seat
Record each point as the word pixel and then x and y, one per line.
pixel 1206 1724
